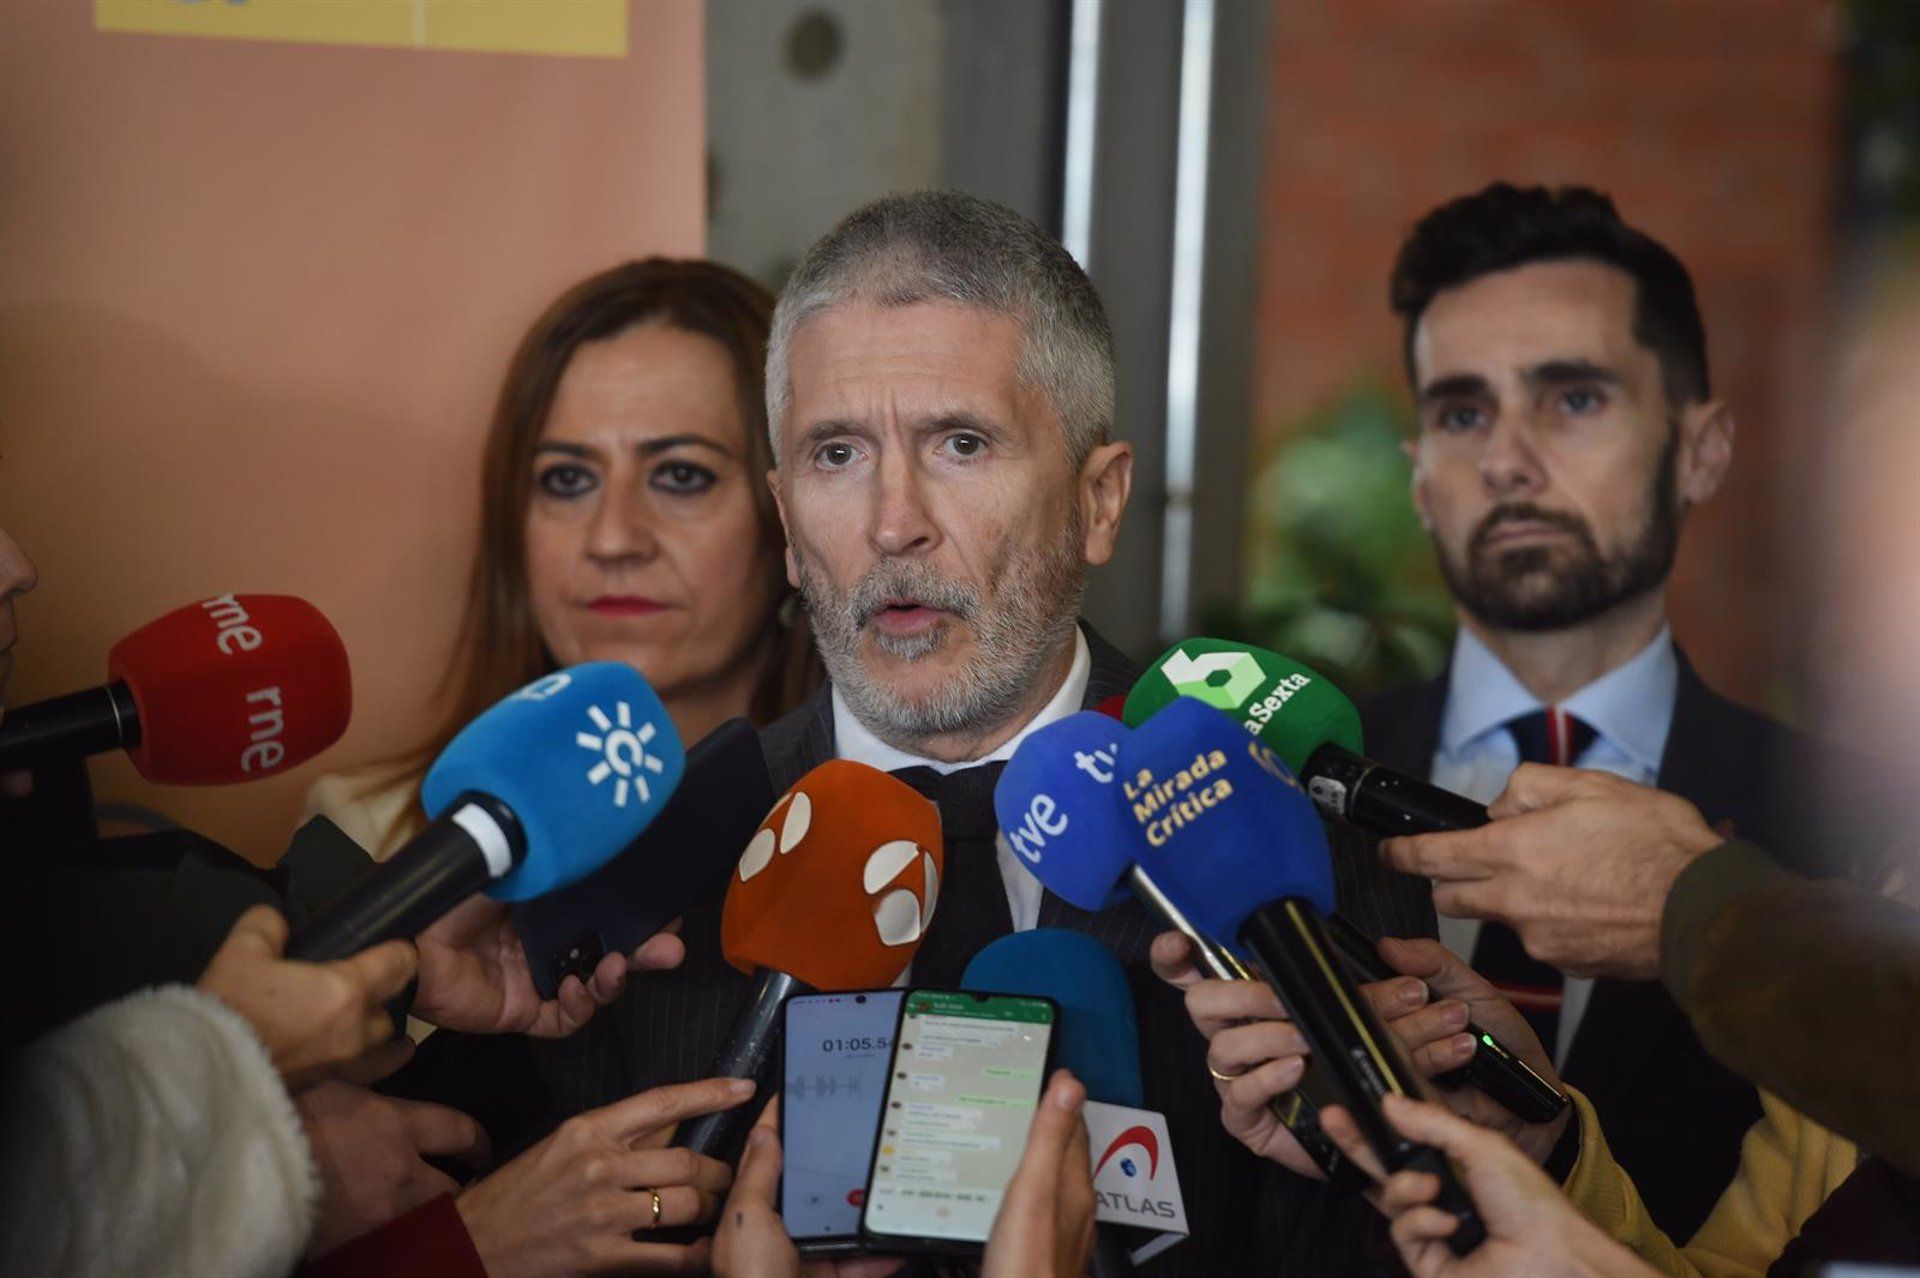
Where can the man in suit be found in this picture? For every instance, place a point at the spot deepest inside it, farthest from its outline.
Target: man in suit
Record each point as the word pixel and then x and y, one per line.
pixel 940 388
pixel 1566 429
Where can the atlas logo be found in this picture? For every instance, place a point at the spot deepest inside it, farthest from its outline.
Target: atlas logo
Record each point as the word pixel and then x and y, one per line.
pixel 900 915
pixel 1141 1137
pixel 1223 680
pixel 622 749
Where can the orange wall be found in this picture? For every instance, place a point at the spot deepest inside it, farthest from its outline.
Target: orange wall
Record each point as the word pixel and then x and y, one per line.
pixel 254 302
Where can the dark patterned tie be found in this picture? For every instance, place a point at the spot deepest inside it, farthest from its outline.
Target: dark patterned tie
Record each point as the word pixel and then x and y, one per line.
pixel 1544 736
pixel 971 908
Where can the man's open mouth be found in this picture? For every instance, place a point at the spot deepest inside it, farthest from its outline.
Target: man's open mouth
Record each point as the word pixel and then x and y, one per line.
pixel 904 617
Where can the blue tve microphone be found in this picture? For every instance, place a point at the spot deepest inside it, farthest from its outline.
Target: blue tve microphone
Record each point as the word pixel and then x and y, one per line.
pixel 540 790
pixel 1097 1037
pixel 1225 829
pixel 1059 807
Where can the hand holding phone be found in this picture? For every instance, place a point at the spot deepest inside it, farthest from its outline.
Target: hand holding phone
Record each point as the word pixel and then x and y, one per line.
pixel 961 1092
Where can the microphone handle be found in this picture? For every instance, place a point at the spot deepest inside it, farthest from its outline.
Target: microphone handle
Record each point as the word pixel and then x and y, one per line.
pixel 1110 1257
pixel 1493 1067
pixel 475 841
pixel 1362 793
pixel 70 727
pixel 1290 945
pixel 1298 1110
pixel 752 1051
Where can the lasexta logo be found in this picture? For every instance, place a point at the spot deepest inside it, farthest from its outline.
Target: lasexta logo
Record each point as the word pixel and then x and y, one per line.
pixel 1223 680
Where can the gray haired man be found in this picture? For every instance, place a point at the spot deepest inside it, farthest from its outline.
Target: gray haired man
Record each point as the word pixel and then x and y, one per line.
pixel 940 393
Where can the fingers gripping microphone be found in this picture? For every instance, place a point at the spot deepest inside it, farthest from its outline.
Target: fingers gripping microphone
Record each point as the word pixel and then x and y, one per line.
pixel 1097 1037
pixel 1225 829
pixel 833 892
pixel 539 791
pixel 1059 809
pixel 1311 725
pixel 1315 730
pixel 227 689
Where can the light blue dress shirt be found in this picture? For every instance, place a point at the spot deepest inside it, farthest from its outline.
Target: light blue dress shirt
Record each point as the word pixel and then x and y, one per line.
pixel 1630 709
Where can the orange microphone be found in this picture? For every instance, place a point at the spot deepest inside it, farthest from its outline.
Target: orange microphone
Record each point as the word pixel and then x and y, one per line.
pixel 833 892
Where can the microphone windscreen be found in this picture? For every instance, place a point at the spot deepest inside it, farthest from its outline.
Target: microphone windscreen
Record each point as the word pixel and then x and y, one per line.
pixel 234 688
pixel 585 757
pixel 838 884
pixel 1221 826
pixel 1059 812
pixel 1293 709
pixel 1097 1037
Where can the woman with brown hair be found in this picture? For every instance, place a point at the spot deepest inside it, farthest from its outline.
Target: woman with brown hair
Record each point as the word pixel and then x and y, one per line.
pixel 624 516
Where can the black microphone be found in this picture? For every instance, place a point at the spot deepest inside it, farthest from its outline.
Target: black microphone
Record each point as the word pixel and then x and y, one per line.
pixel 518 808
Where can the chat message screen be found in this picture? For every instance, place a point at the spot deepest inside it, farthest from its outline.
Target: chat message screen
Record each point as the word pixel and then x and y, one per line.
pixel 966 1077
pixel 838 1046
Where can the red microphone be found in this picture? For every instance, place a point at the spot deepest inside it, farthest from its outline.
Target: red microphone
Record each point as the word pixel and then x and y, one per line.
pixel 228 689
pixel 833 892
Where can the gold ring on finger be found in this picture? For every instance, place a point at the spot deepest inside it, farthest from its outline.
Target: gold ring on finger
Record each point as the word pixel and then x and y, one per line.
pixel 656 1207
pixel 1218 1076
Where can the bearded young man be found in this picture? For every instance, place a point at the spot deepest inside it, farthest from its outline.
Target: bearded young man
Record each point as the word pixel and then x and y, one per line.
pixel 940 392
pixel 1566 429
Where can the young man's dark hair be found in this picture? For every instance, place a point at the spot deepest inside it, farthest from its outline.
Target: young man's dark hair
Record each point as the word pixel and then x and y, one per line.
pixel 1505 226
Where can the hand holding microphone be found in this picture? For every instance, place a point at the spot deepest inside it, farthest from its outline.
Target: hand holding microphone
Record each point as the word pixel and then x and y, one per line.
pixel 228 689
pixel 1223 827
pixel 833 892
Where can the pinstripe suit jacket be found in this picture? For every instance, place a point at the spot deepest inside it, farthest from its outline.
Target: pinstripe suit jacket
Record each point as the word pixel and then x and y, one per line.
pixel 1247 1216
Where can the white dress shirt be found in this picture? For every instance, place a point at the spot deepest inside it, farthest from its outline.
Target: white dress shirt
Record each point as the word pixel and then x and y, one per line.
pixel 853 740
pixel 1630 709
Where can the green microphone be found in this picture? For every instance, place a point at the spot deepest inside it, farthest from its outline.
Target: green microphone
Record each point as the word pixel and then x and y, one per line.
pixel 1301 716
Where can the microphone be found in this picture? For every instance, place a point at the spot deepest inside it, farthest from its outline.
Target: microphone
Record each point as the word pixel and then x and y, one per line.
pixel 1059 809
pixel 834 891
pixel 538 791
pixel 1226 830
pixel 229 689
pixel 1311 725
pixel 1096 1036
pixel 685 855
pixel 1315 730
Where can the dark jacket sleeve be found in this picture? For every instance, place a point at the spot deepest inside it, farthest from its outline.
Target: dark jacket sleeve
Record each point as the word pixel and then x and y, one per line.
pixel 1806 988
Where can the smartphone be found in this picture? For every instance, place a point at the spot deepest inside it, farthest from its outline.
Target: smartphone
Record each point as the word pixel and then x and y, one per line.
pixel 966 1076
pixel 837 1048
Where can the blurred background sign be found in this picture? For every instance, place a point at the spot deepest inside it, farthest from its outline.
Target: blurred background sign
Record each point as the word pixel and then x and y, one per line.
pixel 586 28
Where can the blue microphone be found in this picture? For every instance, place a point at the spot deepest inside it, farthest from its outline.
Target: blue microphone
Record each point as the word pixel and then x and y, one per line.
pixel 1060 810
pixel 1097 1037
pixel 1226 829
pixel 538 791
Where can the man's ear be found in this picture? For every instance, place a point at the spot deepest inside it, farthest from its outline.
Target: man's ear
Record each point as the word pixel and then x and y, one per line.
pixel 1106 481
pixel 780 504
pixel 1706 451
pixel 1411 448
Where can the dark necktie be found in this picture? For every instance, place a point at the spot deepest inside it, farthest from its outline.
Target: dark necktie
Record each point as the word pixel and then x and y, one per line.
pixel 971 908
pixel 1544 736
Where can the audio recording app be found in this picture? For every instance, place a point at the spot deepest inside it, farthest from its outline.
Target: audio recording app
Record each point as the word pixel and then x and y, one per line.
pixel 966 1076
pixel 837 1049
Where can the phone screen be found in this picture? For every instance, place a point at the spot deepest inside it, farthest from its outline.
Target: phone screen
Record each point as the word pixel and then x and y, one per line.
pixel 967 1073
pixel 837 1050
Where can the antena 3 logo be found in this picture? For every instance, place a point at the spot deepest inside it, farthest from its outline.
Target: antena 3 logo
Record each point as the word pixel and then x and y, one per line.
pixel 900 915
pixel 623 752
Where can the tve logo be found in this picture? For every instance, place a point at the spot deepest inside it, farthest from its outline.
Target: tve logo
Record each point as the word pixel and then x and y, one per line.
pixel 622 749
pixel 1045 817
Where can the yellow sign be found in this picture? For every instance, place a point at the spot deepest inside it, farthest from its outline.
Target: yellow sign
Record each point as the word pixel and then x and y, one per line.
pixel 578 28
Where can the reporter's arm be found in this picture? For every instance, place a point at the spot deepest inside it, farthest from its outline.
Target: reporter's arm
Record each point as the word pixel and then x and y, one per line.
pixel 152 1135
pixel 1803 987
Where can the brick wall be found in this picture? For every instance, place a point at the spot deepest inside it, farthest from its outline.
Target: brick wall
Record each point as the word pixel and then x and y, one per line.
pixel 1712 123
